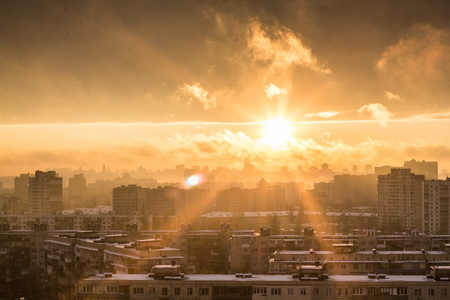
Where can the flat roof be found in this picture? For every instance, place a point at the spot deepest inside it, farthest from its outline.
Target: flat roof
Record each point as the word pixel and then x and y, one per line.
pixel 263 279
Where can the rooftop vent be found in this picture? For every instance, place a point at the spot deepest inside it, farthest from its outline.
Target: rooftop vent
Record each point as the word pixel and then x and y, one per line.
pixel 376 276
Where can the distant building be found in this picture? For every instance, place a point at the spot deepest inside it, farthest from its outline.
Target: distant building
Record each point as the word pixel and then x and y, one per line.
pixel 400 200
pixel 21 190
pixel 263 198
pixel 10 204
pixel 45 193
pixel 77 191
pixel 368 169
pixel 128 199
pixel 354 190
pixel 189 204
pixel 160 201
pixel 427 168
pixel 383 170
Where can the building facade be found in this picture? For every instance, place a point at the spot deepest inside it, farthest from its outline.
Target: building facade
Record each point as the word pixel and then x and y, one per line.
pixel 248 286
pixel 400 200
pixel 45 193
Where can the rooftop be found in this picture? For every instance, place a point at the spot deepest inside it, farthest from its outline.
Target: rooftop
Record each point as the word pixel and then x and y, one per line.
pixel 265 278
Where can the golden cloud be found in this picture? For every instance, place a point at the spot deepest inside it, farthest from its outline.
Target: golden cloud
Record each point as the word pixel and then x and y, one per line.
pixel 196 92
pixel 378 112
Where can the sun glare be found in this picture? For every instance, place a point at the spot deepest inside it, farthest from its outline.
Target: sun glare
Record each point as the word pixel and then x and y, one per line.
pixel 277 132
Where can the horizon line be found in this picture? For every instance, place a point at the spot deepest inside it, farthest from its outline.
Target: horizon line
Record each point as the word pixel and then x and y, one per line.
pixel 215 123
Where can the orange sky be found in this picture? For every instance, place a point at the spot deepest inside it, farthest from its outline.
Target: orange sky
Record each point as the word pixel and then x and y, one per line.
pixel 157 83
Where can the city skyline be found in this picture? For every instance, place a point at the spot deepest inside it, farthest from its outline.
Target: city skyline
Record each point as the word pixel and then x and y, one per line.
pixel 160 83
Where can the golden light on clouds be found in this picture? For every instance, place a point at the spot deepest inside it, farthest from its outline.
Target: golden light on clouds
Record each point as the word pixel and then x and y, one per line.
pixel 156 84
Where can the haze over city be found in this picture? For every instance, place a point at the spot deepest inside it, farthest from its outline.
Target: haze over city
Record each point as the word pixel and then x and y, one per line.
pixel 208 150
pixel 160 83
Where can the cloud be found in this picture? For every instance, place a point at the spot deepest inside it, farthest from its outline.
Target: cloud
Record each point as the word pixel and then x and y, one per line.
pixel 272 91
pixel 378 112
pixel 392 96
pixel 280 48
pixel 323 114
pixel 195 92
pixel 420 59
pixel 129 146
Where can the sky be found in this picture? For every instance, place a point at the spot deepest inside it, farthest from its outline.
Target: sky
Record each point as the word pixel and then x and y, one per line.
pixel 160 83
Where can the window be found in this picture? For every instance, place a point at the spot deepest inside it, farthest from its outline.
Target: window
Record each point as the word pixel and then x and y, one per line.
pixel 112 289
pixel 373 291
pixel 164 291
pixel 290 292
pixel 260 290
pixel 302 291
pixel 444 292
pixel 315 292
pixel 275 291
pixel 358 291
pixel 152 290
pixel 328 292
pixel 203 291
pixel 138 290
pixel 431 292
pixel 342 292
pixel 417 292
pixel 176 291
pixel 189 291
pixel 402 291
pixel 88 289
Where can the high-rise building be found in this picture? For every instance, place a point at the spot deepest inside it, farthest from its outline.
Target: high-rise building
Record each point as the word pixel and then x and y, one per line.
pixel 160 201
pixel 21 190
pixel 436 206
pixel 427 168
pixel 400 200
pixel 77 191
pixel 45 193
pixel 128 199
pixel 354 190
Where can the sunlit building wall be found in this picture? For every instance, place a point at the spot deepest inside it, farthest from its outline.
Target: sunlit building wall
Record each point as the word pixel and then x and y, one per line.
pixel 400 200
pixel 436 206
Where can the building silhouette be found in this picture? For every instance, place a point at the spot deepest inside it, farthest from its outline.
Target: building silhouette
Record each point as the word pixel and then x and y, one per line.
pixel 427 168
pixel 77 191
pixel 21 190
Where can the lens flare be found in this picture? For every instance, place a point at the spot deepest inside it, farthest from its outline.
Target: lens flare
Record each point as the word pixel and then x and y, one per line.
pixel 195 179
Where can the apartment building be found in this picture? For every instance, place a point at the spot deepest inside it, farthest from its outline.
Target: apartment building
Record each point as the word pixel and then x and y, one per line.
pixel 436 206
pixel 400 200
pixel 45 193
pixel 267 287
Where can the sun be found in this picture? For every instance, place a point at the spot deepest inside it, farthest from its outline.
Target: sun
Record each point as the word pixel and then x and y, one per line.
pixel 277 132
